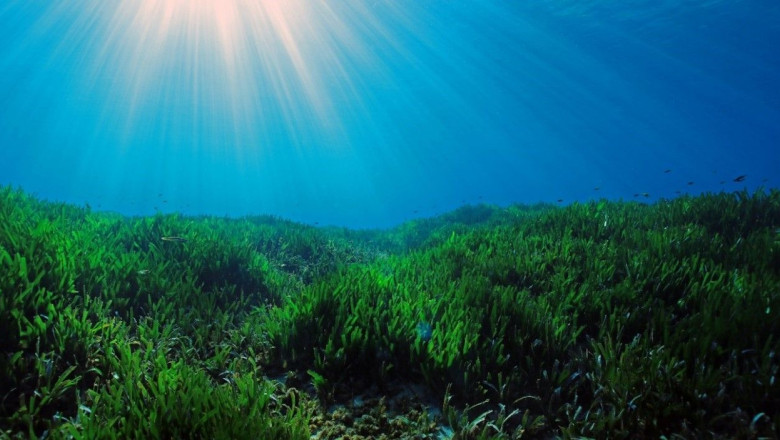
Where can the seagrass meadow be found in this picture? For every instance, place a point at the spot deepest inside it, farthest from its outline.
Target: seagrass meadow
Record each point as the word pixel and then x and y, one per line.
pixel 597 320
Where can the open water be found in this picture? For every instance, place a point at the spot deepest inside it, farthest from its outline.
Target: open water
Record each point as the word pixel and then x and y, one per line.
pixel 368 113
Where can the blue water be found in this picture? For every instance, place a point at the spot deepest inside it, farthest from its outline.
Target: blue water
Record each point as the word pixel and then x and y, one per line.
pixel 369 113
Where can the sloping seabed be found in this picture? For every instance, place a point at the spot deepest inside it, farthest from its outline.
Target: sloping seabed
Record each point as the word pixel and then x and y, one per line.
pixel 603 319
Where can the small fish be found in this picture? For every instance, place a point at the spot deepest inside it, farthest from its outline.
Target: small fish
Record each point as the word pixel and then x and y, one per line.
pixel 144 272
pixel 645 195
pixel 596 188
pixel 740 178
pixel 690 183
pixel 560 200
pixel 174 239
pixel 667 171
pixel 424 331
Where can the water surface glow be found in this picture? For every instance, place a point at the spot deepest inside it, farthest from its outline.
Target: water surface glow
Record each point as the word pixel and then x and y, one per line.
pixel 367 113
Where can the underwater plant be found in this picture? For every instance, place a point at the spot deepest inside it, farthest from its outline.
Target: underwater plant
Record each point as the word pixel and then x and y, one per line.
pixel 601 319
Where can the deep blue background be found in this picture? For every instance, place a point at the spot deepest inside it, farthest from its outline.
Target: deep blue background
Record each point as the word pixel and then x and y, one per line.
pixel 387 110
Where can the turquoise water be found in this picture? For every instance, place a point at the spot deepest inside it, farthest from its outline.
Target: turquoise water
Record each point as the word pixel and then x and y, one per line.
pixel 369 113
